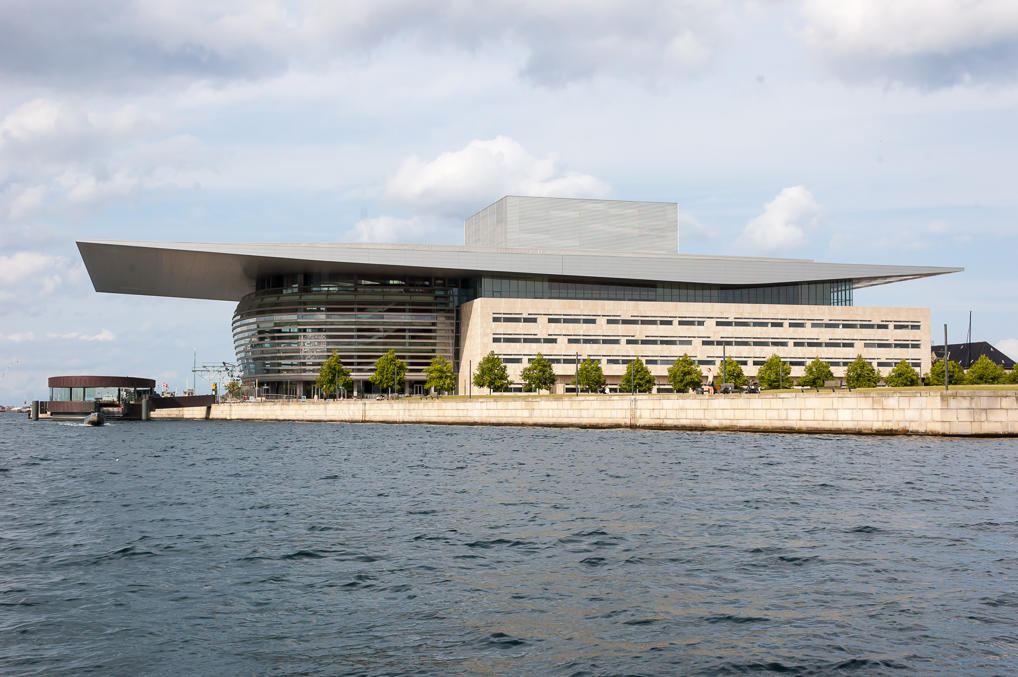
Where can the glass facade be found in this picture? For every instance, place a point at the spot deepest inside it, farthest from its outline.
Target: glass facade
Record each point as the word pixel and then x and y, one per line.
pixel 284 330
pixel 107 394
pixel 291 323
pixel 826 293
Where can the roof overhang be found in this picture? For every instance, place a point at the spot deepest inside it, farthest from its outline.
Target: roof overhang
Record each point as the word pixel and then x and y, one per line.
pixel 227 272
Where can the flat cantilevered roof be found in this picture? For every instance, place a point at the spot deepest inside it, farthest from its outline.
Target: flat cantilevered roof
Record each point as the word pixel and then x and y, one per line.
pixel 227 272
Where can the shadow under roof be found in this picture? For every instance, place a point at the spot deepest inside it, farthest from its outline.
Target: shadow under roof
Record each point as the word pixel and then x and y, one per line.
pixel 227 271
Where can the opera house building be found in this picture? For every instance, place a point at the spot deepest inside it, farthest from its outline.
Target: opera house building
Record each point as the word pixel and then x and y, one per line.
pixel 568 278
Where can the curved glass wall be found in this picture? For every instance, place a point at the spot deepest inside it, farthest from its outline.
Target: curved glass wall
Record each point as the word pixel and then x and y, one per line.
pixel 284 330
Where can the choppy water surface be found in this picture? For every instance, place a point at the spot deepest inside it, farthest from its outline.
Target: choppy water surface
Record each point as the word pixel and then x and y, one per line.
pixel 279 548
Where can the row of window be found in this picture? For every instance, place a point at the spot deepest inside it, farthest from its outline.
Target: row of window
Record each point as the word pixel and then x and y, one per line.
pixel 612 341
pixel 523 339
pixel 591 320
pixel 587 340
pixel 838 293
pixel 90 394
pixel 572 320
pixel 700 323
pixel 632 321
pixel 862 325
pixel 514 318
pixel 658 342
pixel 740 342
pixel 753 323
pixel 709 362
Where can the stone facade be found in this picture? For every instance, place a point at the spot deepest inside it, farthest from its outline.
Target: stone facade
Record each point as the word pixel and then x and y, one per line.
pixel 615 332
pixel 964 413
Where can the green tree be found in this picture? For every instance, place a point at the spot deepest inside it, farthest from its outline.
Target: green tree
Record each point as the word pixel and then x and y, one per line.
pixel 538 375
pixel 637 378
pixel 1013 376
pixel 985 370
pixel 955 374
pixel 729 371
pixel 331 374
pixel 816 374
pixel 685 374
pixel 440 375
pixel 861 374
pixel 390 372
pixel 233 389
pixel 769 375
pixel 590 375
pixel 902 376
pixel 492 374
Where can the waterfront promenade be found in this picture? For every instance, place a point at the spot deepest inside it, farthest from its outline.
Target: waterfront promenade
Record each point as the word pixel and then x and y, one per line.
pixel 878 411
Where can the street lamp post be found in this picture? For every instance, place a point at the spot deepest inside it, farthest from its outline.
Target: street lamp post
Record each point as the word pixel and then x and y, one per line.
pixel 945 357
pixel 577 370
pixel 724 365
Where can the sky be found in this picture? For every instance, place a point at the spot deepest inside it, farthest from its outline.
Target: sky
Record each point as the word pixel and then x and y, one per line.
pixel 857 131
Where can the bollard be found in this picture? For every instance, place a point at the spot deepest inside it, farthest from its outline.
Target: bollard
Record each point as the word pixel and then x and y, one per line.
pixel 34 412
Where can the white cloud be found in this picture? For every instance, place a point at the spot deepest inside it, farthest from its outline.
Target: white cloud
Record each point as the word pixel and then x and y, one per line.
pixel 137 44
pixel 690 229
pixel 429 230
pixel 90 188
pixel 27 265
pixel 23 201
pixel 784 222
pixel 104 335
pixel 930 43
pixel 25 276
pixel 59 128
pixel 18 337
pixel 1008 346
pixel 382 229
pixel 36 119
pixel 459 182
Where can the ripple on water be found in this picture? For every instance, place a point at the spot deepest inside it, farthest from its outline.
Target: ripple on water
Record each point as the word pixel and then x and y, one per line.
pixel 276 548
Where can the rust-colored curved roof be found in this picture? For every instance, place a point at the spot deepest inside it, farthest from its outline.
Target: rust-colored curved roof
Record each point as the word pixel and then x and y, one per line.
pixel 100 382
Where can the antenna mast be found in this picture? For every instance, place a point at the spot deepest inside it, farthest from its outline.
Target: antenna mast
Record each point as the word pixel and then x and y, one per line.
pixel 968 343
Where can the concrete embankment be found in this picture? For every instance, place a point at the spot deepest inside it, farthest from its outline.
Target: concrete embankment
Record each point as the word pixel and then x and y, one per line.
pixel 965 413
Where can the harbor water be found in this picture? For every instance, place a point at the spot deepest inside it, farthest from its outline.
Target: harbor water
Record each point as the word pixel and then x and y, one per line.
pixel 170 548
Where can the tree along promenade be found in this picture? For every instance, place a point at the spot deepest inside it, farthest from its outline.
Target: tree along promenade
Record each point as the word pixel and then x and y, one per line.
pixel 969 412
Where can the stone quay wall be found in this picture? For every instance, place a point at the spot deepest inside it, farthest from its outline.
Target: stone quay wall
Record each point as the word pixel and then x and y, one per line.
pixel 963 413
